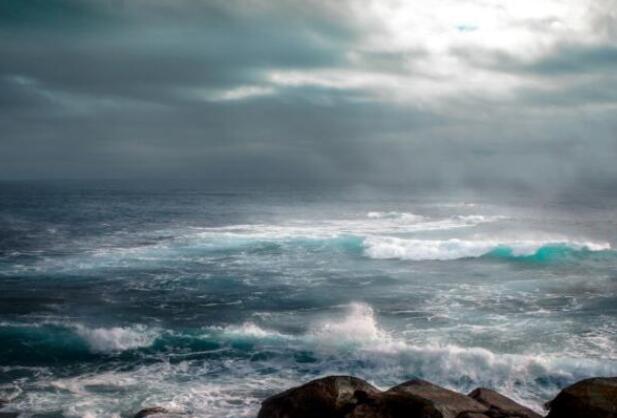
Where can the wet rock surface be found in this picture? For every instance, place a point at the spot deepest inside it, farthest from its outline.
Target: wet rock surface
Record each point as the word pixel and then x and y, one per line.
pixel 146 412
pixel 332 396
pixel 501 406
pixel 349 397
pixel 590 398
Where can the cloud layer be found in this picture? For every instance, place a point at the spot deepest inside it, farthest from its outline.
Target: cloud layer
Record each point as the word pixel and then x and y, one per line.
pixel 444 93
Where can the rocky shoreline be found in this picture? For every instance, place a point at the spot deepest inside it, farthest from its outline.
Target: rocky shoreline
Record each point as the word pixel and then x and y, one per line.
pixel 350 397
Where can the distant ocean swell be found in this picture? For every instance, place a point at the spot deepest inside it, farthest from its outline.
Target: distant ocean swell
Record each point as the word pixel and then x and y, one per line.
pixel 381 235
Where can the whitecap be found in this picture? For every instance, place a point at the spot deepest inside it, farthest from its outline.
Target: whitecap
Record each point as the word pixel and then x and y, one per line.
pixel 404 216
pixel 249 330
pixel 117 338
pixel 383 247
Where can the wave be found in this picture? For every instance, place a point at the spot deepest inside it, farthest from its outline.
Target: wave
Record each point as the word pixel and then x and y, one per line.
pixel 335 233
pixel 249 330
pixel 117 338
pixel 233 382
pixel 354 342
pixel 358 327
pixel 162 247
pixel 453 249
pixel 377 223
pixel 405 216
pixel 52 342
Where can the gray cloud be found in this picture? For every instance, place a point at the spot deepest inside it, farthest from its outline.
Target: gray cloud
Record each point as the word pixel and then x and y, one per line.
pixel 300 93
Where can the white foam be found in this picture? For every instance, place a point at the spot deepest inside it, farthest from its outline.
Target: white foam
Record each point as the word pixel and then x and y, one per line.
pixel 382 223
pixel 358 326
pixel 188 243
pixel 384 355
pixel 382 247
pixel 117 338
pixel 185 389
pixel 405 216
pixel 353 343
pixel 250 330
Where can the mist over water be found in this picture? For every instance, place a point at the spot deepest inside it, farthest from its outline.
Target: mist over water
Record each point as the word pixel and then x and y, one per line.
pixel 205 301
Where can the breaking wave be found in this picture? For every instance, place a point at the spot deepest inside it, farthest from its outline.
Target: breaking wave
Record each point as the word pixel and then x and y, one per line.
pixel 453 249
pixel 405 216
pixel 117 338
pixel 352 341
pixel 57 341
pixel 358 327
pixel 355 342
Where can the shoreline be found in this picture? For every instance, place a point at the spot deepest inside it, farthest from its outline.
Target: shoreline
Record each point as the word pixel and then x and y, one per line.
pixel 351 397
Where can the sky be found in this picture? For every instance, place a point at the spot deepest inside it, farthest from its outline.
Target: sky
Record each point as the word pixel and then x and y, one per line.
pixel 434 93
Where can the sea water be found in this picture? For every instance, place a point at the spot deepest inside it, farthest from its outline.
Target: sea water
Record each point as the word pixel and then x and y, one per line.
pixel 206 300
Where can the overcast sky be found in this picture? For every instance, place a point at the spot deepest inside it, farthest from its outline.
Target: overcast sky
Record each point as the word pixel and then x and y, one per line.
pixel 440 93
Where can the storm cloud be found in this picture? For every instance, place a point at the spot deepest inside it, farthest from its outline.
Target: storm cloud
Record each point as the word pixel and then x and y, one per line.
pixel 442 94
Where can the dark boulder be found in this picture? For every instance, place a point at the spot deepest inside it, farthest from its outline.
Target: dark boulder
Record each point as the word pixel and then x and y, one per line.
pixel 392 405
pixel 329 397
pixel 417 399
pixel 441 402
pixel 150 411
pixel 349 397
pixel 501 406
pixel 590 398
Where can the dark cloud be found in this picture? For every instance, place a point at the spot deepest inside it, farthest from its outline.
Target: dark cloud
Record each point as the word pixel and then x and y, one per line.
pixel 134 89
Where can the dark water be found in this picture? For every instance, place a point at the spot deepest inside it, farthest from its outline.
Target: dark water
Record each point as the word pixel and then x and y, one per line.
pixel 114 297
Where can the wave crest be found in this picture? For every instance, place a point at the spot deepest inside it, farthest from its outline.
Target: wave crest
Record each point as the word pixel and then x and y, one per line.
pixel 249 330
pixel 117 338
pixel 453 249
pixel 358 327
pixel 405 216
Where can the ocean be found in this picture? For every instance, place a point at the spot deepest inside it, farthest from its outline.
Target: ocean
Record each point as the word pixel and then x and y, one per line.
pixel 204 300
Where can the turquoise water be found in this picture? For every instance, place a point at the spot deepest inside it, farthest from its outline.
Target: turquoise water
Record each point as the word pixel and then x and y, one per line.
pixel 117 297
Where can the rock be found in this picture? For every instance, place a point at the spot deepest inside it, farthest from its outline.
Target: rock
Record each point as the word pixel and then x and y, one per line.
pixel 348 397
pixel 417 399
pixel 392 405
pixel 329 397
pixel 150 411
pixel 501 406
pixel 440 402
pixel 590 398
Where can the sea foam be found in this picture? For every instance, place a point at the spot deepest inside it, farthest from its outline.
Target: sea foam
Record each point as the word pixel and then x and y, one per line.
pixel 351 341
pixel 382 247
pixel 359 327
pixel 249 330
pixel 117 338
